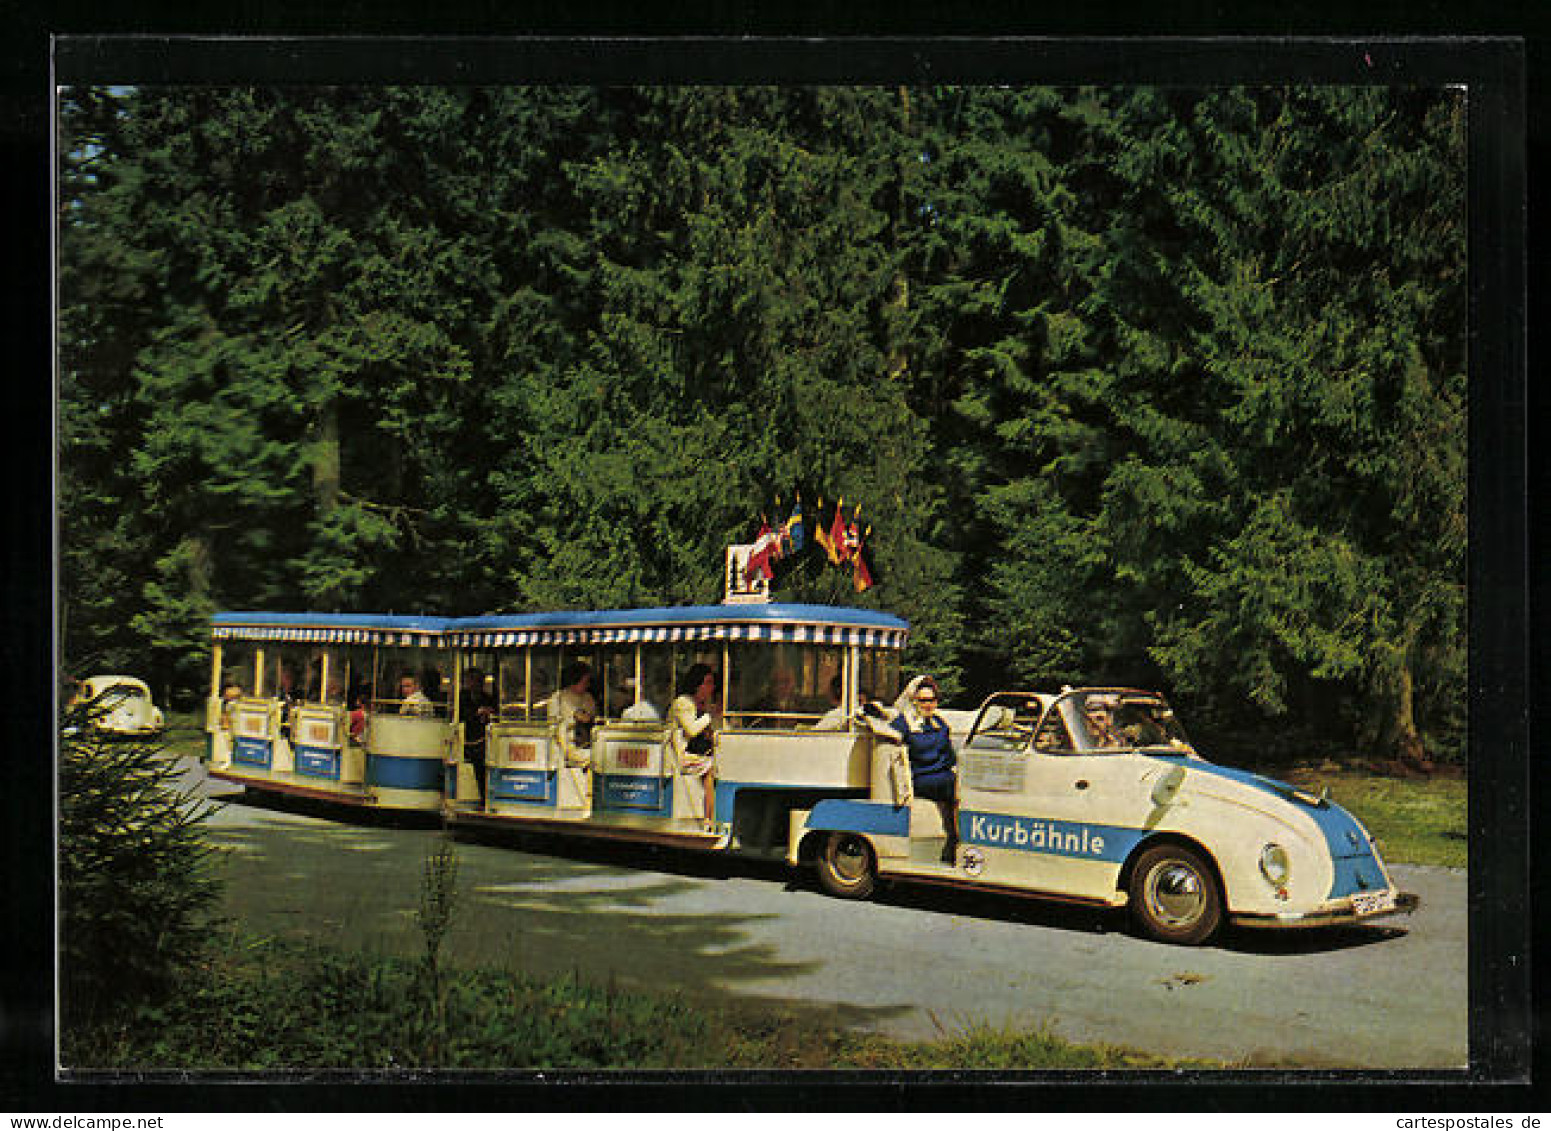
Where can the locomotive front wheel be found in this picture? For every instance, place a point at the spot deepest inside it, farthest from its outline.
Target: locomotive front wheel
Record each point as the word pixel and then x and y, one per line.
pixel 847 866
pixel 1175 896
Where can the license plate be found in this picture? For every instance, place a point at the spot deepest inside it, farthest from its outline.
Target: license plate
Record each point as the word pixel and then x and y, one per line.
pixel 1373 902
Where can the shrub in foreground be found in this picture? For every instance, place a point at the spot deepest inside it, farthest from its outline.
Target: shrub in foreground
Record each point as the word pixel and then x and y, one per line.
pixel 136 886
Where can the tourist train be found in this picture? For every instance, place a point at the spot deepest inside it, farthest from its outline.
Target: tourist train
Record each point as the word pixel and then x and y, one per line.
pixel 468 718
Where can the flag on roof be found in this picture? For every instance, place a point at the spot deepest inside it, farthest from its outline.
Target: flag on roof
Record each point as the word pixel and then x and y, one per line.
pixel 821 533
pixel 792 531
pixel 861 563
pixel 851 537
pixel 834 539
pixel 767 549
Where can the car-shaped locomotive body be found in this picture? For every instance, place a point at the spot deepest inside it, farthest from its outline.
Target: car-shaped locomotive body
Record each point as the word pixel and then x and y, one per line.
pixel 1095 795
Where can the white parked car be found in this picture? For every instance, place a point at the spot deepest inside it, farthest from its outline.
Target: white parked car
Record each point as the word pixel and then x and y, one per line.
pixel 120 704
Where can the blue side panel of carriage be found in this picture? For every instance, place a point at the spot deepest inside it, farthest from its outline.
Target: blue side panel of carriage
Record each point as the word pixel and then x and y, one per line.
pixel 536 787
pixel 647 794
pixel 317 762
pixel 251 752
pixel 392 772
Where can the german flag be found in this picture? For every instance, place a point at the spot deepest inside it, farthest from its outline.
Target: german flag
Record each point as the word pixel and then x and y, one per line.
pixel 861 564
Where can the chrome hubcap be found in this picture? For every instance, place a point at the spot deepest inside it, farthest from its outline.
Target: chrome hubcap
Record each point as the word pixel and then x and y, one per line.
pixel 848 857
pixel 1175 894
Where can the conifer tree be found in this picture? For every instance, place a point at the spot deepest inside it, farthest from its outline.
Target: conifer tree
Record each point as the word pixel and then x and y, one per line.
pixel 1149 386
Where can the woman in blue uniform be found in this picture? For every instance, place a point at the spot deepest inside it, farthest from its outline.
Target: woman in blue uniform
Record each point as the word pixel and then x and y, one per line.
pixel 932 759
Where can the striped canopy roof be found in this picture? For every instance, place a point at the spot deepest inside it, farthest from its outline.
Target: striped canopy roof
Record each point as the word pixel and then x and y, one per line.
pixel 332 628
pixel 800 624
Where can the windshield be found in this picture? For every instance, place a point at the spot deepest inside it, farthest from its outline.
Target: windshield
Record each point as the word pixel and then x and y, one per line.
pixel 1122 720
pixel 1005 722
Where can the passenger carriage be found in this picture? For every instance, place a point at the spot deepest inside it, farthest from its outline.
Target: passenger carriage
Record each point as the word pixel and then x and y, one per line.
pixel 315 705
pixel 1127 815
pixel 791 677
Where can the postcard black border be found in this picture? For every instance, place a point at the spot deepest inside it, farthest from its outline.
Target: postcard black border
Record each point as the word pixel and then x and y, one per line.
pixel 1494 69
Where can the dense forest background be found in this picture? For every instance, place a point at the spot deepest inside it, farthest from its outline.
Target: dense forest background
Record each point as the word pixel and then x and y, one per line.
pixel 1163 387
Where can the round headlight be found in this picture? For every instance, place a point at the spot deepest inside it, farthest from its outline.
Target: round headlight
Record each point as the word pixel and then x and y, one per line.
pixel 1274 865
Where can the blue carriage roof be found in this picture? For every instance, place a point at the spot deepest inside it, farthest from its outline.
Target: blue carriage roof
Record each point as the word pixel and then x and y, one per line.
pixel 814 624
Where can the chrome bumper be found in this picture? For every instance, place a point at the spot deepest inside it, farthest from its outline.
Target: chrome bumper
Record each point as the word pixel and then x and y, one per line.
pixel 1342 914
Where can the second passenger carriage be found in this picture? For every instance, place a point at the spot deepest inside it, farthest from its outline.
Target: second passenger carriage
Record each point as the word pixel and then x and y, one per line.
pixel 789 680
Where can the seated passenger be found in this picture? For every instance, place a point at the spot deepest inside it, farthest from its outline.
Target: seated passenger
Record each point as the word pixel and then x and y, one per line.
pixel 575 709
pixel 1098 714
pixel 229 696
pixel 287 692
pixel 835 718
pixel 475 709
pixel 433 683
pixel 639 710
pixel 413 701
pixel 691 738
pixel 1052 737
pixel 290 697
pixel 780 698
pixel 357 717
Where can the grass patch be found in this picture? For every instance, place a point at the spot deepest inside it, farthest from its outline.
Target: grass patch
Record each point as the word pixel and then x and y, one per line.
pixel 259 1006
pixel 1416 820
pixel 185 734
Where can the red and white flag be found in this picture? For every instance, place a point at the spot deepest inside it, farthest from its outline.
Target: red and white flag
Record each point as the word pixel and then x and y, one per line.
pixel 767 549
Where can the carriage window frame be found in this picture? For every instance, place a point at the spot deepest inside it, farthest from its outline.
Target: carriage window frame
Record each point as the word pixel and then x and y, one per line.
pixel 239 666
pixel 615 663
pixel 333 667
pixel 393 662
pixel 277 657
pixel 754 666
pixel 657 676
pixel 878 673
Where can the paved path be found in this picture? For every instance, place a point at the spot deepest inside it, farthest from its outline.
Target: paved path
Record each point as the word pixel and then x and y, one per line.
pixel 913 963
